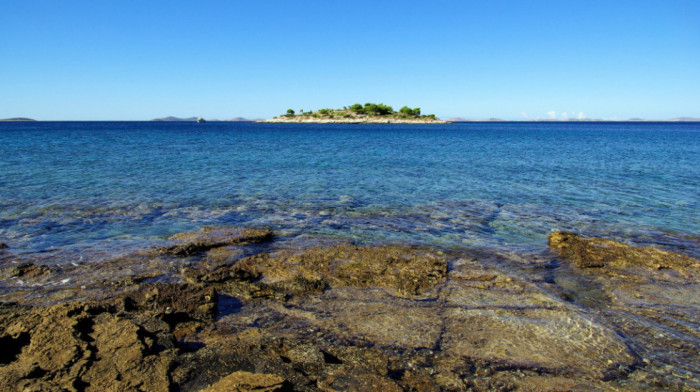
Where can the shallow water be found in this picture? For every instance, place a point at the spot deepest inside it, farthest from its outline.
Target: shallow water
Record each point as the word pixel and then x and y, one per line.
pixel 100 188
pixel 94 199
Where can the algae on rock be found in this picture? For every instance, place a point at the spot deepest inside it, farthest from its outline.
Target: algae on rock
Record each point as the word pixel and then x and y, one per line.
pixel 599 252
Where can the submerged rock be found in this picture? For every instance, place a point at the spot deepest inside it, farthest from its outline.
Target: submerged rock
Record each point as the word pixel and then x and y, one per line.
pixel 405 270
pixel 599 252
pixel 649 296
pixel 357 380
pixel 241 381
pixel 26 270
pixel 3 245
pixel 189 243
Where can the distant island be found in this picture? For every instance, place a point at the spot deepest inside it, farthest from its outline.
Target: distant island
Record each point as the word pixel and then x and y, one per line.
pixel 18 119
pixel 369 113
pixel 171 118
pixel 199 119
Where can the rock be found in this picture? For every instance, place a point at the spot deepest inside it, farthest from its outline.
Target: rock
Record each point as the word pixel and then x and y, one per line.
pixel 241 381
pixel 650 296
pixel 3 245
pixel 221 274
pixel 27 270
pixel 189 243
pixel 252 350
pixel 405 270
pixel 599 252
pixel 174 303
pixel 80 346
pixel 128 357
pixel 349 317
pixel 357 380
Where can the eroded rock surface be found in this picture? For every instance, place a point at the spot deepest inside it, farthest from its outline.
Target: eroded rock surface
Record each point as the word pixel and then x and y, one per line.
pixel 599 252
pixel 648 295
pixel 82 346
pixel 355 318
pixel 241 381
pixel 404 270
pixel 25 270
pixel 186 244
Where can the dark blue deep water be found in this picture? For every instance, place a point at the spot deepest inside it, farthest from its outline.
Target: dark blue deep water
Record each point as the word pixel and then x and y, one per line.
pixel 111 186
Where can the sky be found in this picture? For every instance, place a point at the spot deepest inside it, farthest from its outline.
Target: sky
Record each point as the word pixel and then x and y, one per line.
pixel 515 60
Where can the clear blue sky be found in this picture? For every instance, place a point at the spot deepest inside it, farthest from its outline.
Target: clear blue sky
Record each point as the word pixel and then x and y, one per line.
pixel 137 60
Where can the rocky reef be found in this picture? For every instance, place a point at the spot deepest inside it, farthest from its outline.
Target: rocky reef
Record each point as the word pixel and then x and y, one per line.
pixel 600 252
pixel 224 309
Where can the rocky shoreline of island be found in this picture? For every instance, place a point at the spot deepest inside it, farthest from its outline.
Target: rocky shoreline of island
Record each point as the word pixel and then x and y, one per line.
pixel 222 309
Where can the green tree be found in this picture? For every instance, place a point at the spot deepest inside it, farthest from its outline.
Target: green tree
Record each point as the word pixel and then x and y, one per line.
pixel 406 111
pixel 370 108
pixel 384 109
pixel 290 112
pixel 357 108
pixel 416 112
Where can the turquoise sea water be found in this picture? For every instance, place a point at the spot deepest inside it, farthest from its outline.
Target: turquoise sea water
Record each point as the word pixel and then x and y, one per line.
pixel 100 188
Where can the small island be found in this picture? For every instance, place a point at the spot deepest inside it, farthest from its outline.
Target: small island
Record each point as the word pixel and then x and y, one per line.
pixel 369 113
pixel 17 119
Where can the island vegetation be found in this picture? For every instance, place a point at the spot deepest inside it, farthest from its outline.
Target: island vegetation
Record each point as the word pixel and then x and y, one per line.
pixel 358 113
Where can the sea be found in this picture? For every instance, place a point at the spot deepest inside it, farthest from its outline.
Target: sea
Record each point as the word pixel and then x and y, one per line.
pixel 91 191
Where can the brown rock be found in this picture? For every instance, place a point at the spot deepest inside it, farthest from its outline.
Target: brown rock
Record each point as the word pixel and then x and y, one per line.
pixel 219 275
pixel 598 252
pixel 27 270
pixel 408 271
pixel 174 303
pixel 357 380
pixel 128 357
pixel 241 381
pixel 186 244
pixel 80 347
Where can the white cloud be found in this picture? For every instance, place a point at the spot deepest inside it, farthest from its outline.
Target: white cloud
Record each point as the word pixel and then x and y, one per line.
pixel 581 116
pixel 552 114
pixel 564 116
pixel 524 114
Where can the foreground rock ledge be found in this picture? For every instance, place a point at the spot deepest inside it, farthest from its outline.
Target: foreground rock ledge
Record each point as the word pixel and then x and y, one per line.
pixel 346 317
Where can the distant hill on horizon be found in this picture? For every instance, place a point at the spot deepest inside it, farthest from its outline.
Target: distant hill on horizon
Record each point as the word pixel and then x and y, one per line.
pixel 194 119
pixel 688 119
pixel 241 119
pixel 171 118
pixel 460 119
pixel 18 119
